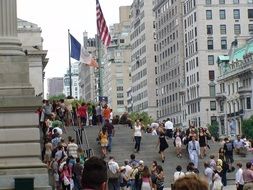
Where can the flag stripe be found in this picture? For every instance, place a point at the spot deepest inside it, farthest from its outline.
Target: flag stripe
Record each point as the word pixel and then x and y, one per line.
pixel 102 27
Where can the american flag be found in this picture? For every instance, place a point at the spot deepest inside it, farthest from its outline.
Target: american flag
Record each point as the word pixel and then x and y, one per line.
pixel 103 31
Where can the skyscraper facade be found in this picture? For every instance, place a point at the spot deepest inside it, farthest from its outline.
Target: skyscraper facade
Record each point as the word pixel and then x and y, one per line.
pixel 143 57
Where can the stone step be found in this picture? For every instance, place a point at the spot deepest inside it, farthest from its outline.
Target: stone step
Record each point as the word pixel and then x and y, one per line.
pixel 123 146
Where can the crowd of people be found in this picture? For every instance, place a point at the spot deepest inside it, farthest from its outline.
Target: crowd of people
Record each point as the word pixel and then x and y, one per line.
pixel 66 160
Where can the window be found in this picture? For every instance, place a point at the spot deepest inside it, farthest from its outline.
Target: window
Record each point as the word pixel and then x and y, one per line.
pixel 236 14
pixel 248 102
pixel 209 44
pixel 209 29
pixel 213 120
pixel 120 102
pixel 208 2
pixel 250 1
pixel 119 88
pixel 250 27
pixel 222 1
pixel 211 75
pixel 237 29
pixel 250 13
pixel 208 14
pixel 120 95
pixel 222 14
pixel 210 59
pixel 224 44
pixel 236 1
pixel 212 105
pixel 212 91
pixel 223 29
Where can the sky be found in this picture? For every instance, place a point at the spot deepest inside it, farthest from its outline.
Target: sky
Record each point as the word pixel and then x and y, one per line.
pixel 55 17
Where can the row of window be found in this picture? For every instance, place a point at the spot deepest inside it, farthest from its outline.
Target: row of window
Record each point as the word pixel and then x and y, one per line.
pixel 192 79
pixel 139 75
pixel 140 85
pixel 169 110
pixel 192 64
pixel 169 88
pixel 138 53
pixel 168 76
pixel 209 2
pixel 140 96
pixel 164 8
pixel 222 14
pixel 138 64
pixel 140 106
pixel 169 99
pixel 223 44
pixel 167 64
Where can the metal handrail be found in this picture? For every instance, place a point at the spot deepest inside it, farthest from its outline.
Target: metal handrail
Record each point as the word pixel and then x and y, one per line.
pixel 83 141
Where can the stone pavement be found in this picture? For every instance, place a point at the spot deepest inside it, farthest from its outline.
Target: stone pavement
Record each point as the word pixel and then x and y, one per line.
pixel 123 146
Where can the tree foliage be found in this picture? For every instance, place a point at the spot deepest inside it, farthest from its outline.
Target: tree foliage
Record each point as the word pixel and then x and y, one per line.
pixel 247 127
pixel 57 97
pixel 146 119
pixel 214 130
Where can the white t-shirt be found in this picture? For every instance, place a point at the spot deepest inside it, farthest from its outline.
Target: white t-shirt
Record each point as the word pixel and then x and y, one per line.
pixel 168 125
pixel 178 175
pixel 137 131
pixel 154 133
pixel 113 166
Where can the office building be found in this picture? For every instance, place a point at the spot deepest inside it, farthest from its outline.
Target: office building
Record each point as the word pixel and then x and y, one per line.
pixel 170 61
pixel 143 57
pixel 116 67
pixel 88 76
pixel 54 86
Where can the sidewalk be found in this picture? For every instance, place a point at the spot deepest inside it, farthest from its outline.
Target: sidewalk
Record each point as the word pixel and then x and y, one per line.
pixel 228 187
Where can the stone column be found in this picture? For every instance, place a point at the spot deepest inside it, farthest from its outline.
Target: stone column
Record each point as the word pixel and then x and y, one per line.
pixel 9 43
pixel 14 72
pixel 20 144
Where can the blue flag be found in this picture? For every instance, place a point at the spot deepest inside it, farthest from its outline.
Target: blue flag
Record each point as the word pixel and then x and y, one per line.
pixel 75 48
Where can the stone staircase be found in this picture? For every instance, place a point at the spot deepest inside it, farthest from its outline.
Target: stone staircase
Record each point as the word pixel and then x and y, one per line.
pixel 123 146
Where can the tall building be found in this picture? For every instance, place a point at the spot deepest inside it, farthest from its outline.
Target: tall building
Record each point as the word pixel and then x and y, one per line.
pixel 234 95
pixel 209 29
pixel 143 57
pixel 116 67
pixel 32 43
pixel 88 75
pixel 55 86
pixel 74 81
pixel 170 60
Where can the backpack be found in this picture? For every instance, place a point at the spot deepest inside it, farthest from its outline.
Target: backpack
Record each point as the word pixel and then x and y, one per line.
pixel 138 180
pixel 229 146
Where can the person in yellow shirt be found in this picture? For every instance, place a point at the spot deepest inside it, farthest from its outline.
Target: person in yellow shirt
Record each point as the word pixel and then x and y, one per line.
pixel 103 137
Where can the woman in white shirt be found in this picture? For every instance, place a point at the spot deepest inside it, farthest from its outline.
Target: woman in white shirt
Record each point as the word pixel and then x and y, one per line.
pixel 137 135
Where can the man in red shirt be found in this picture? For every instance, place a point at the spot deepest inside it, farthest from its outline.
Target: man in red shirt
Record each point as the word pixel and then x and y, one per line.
pixel 82 111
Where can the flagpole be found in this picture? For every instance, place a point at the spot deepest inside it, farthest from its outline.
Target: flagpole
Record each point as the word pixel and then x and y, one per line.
pixel 70 77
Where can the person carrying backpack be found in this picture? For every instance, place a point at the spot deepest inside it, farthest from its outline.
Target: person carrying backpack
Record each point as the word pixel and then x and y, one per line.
pixel 229 148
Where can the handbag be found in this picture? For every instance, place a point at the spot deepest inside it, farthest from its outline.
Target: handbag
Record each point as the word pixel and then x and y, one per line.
pixel 66 181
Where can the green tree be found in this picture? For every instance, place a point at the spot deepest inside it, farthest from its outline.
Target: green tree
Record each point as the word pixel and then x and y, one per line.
pixel 214 130
pixel 57 97
pixel 146 119
pixel 247 127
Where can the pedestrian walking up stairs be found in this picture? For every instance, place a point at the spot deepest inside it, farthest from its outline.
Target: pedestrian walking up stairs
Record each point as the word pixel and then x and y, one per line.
pixel 123 146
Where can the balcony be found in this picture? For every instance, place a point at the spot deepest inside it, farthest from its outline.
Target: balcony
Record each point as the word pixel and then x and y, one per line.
pixel 220 96
pixel 244 90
